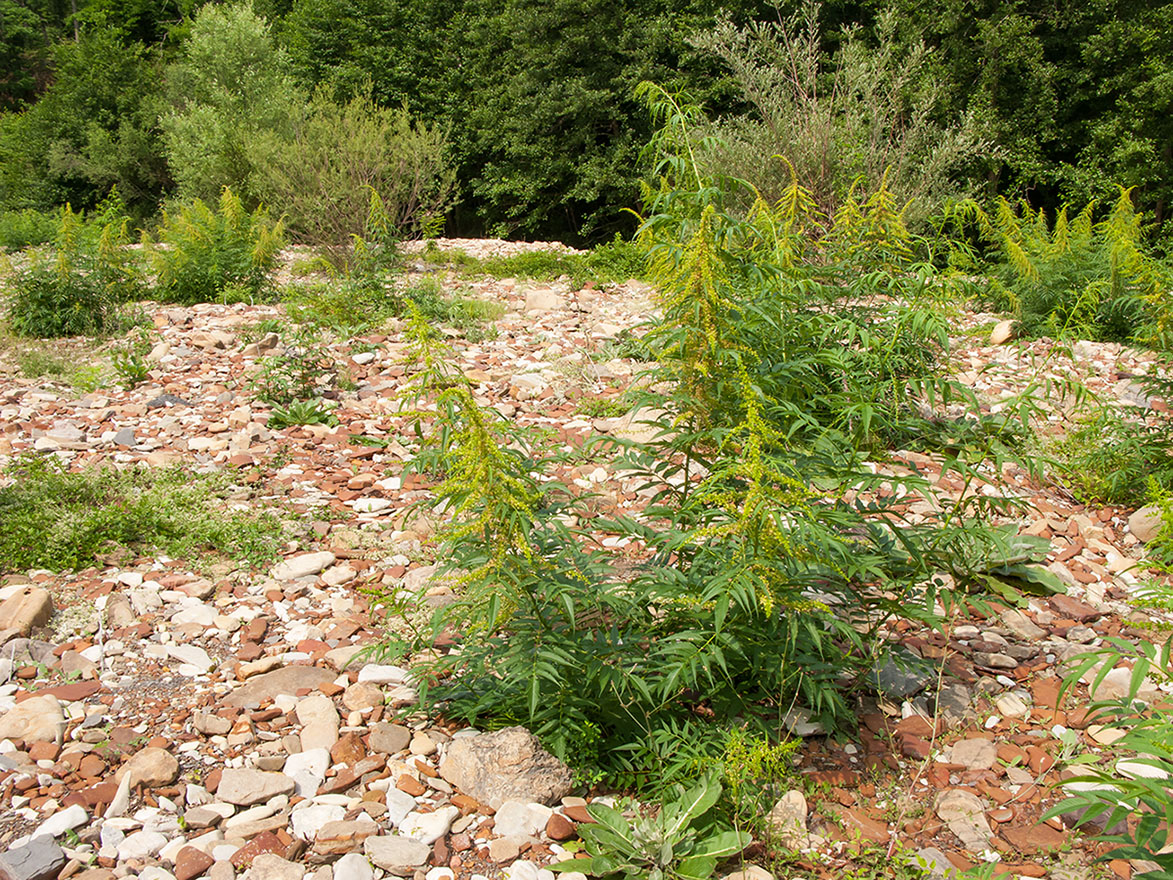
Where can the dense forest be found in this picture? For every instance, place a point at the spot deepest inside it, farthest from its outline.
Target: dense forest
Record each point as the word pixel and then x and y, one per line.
pixel 521 119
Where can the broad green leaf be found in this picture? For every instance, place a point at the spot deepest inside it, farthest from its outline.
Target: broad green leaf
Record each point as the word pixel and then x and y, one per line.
pixel 696 802
pixel 726 843
pixel 696 868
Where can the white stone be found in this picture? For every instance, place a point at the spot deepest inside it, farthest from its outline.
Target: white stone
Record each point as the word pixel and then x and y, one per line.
pixel 518 819
pixel 60 822
pixel 141 845
pixel 319 720
pixel 268 866
pixel 353 866
pixel 302 565
pixel 429 827
pixel 382 674
pixel 1012 706
pixel 521 870
pixel 399 805
pixel 192 655
pixel 308 770
pixel 1002 333
pixel 308 821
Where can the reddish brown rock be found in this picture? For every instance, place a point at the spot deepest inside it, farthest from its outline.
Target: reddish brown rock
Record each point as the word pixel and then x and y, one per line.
pixel 1066 606
pixel 268 842
pixel 1030 839
pixel 558 827
pixel 858 824
pixel 67 693
pixel 410 785
pixel 348 750
pixel 44 751
pixel 578 813
pixel 191 862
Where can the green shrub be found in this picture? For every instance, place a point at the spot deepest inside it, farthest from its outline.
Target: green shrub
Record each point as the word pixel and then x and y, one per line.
pixel 57 519
pixel 209 256
pixel 1077 278
pixel 80 286
pixel 1129 791
pixel 229 85
pixel 22 229
pixel 298 374
pixel 320 178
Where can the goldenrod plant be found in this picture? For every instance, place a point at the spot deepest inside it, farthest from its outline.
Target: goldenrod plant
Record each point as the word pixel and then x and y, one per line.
pixel 1075 277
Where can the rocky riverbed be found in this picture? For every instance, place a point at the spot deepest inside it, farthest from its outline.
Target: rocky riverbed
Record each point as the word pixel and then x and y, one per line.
pixel 164 720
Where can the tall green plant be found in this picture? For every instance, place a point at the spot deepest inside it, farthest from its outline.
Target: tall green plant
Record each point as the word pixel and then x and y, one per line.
pixel 229 84
pixel 208 255
pixel 1076 277
pixel 82 284
pixel 774 555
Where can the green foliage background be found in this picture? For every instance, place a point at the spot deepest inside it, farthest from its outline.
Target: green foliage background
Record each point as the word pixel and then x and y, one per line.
pixel 537 100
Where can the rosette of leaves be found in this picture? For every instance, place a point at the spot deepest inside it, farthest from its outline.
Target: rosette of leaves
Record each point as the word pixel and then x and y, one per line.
pixel 680 842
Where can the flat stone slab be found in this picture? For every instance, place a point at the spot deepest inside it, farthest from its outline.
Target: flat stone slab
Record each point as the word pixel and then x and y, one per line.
pixel 287 680
pixel 247 787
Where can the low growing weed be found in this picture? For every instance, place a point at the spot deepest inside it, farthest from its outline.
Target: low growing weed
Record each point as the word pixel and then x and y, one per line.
pixel 37 362
pixel 680 841
pixel 128 359
pixel 1120 455
pixel 300 372
pixel 611 263
pixel 301 412
pixel 58 519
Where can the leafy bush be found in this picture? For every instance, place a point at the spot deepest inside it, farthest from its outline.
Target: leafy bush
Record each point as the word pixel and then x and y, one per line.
pixel 209 255
pixel 93 126
pixel 57 519
pixel 22 229
pixel 296 374
pixel 865 115
pixel 1076 278
pixel 320 178
pixel 1111 459
pixel 1130 792
pixel 80 286
pixel 229 85
pixel 679 842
